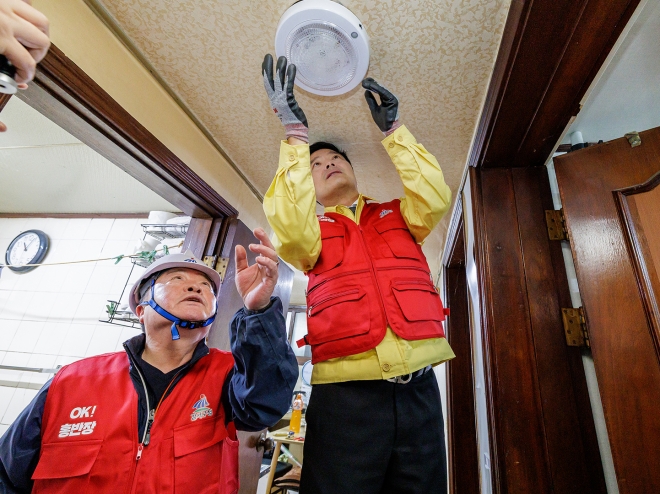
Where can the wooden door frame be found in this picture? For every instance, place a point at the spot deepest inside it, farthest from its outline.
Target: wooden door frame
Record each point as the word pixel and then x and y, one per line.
pixel 550 53
pixel 462 441
pixel 65 94
pixel 62 92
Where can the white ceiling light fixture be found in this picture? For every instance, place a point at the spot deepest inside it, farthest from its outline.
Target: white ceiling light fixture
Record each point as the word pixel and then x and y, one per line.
pixel 327 43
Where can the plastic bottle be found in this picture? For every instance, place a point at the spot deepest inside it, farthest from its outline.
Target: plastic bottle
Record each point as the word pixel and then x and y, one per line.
pixel 296 414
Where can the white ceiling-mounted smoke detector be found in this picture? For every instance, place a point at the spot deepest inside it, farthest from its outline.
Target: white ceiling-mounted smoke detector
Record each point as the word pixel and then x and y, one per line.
pixel 327 43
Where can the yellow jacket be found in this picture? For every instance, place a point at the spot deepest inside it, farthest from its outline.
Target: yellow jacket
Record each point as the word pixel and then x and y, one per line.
pixel 290 207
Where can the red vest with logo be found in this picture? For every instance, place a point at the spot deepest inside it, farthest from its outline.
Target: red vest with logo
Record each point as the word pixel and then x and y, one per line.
pixel 369 276
pixel 90 432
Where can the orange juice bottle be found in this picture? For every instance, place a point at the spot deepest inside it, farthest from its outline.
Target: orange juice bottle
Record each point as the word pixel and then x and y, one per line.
pixel 296 414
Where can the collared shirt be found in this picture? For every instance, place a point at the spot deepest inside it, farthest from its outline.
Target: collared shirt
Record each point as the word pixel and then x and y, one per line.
pixel 290 206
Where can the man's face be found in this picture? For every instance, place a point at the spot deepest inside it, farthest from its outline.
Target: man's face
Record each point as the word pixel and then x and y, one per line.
pixel 333 176
pixel 185 293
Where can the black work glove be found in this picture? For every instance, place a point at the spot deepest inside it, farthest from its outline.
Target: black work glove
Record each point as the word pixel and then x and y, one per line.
pixel 387 113
pixel 280 94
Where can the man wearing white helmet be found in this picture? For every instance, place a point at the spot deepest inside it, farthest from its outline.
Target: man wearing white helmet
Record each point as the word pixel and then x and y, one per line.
pixel 162 415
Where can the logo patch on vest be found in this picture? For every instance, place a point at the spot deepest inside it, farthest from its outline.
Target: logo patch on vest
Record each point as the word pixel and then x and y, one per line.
pixel 385 212
pixel 325 218
pixel 85 428
pixel 202 409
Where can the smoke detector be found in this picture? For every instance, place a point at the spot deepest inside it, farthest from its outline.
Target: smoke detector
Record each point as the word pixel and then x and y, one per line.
pixel 327 43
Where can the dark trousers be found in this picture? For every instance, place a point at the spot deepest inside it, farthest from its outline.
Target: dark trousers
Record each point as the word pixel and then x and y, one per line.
pixel 375 437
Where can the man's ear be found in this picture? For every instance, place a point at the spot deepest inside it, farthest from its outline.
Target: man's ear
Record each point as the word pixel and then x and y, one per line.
pixel 140 313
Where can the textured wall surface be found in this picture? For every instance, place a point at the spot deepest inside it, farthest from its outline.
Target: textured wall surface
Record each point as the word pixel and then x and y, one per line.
pixel 436 56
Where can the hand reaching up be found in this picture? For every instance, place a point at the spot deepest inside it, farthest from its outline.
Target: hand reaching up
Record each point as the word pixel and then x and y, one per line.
pixel 256 283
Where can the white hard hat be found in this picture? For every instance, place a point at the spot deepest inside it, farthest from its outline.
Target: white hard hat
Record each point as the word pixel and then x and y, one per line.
pixel 185 260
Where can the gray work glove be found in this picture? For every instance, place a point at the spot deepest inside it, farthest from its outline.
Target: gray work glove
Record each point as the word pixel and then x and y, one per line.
pixel 386 115
pixel 282 100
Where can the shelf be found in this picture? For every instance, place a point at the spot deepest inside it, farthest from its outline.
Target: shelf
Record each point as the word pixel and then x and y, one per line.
pixel 121 317
pixel 164 231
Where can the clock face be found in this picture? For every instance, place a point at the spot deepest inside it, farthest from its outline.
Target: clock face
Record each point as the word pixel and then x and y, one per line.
pixel 307 372
pixel 29 247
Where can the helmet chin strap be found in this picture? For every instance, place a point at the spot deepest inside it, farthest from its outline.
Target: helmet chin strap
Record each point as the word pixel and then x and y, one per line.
pixel 175 320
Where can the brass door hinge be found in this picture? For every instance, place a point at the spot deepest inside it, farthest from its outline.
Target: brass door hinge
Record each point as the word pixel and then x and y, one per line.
pixel 556 223
pixel 575 327
pixel 218 264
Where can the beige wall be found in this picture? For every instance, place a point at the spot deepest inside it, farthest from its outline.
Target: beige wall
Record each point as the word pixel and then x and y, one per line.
pixel 86 41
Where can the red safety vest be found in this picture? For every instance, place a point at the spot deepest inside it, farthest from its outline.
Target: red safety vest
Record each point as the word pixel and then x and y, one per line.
pixel 369 276
pixel 90 440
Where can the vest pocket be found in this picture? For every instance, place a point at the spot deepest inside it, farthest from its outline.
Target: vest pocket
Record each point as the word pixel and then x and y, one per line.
pixel 341 314
pixel 202 463
pixel 394 231
pixel 332 247
pixel 80 458
pixel 418 301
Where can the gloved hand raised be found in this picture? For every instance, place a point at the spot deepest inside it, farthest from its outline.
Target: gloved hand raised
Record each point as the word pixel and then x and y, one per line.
pixel 386 115
pixel 282 100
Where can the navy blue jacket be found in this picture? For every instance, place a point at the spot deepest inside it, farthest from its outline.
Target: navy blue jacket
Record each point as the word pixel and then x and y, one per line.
pixel 256 394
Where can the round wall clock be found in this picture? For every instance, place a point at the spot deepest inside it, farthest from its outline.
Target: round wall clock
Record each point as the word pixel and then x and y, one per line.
pixel 29 247
pixel 306 373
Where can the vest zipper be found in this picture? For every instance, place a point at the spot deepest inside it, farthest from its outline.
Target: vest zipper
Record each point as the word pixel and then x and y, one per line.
pixel 336 295
pixel 150 422
pixel 373 274
pixel 307 292
pixel 150 415
pixel 147 434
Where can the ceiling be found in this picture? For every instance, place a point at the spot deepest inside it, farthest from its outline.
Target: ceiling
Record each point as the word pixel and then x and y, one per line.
pixel 435 55
pixel 50 171
pixel 627 95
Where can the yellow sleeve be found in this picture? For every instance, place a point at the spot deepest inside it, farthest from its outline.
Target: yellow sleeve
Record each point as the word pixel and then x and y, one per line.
pixel 426 195
pixel 290 207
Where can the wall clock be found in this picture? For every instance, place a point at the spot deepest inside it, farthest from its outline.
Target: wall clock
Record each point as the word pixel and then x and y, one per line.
pixel 29 247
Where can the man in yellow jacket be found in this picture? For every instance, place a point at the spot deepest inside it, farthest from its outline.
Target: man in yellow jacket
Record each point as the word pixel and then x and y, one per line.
pixel 374 421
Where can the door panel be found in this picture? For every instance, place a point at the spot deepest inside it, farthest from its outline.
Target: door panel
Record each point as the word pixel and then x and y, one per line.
pixel 229 301
pixel 639 208
pixel 622 335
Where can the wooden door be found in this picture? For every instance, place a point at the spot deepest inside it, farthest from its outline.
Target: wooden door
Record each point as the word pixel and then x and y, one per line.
pixel 611 201
pixel 229 301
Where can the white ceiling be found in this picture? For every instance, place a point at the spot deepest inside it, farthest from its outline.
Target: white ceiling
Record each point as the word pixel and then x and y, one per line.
pixel 44 169
pixel 435 55
pixel 627 95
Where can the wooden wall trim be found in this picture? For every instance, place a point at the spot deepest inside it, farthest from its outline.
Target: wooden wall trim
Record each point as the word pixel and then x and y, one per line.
pixel 540 424
pixel 455 236
pixel 462 451
pixel 567 417
pixel 65 94
pixel 4 99
pixel 550 53
pixel 483 275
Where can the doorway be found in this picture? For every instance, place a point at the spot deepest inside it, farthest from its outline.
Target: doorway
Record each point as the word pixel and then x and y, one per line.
pixel 64 94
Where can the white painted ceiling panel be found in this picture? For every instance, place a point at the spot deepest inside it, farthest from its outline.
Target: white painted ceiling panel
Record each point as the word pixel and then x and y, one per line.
pixel 627 96
pixel 44 169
